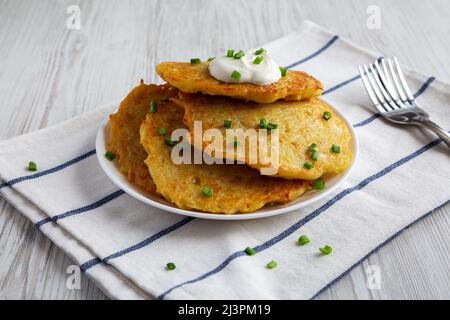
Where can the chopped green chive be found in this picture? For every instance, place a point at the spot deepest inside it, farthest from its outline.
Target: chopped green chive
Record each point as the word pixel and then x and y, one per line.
pixel 258 60
pixel 171 266
pixel 207 191
pixel 271 126
pixel 170 142
pixel 308 165
pixel 326 115
pixel 196 61
pixel 32 166
pixel 235 75
pixel 162 131
pixel 303 240
pixel 315 155
pixel 227 123
pixel 312 147
pixel 211 59
pixel 250 251
pixel 283 71
pixel 110 155
pixel 262 123
pixel 319 184
pixel 326 249
pixel 230 53
pixel 239 54
pixel 259 51
pixel 153 106
pixel 335 148
pixel 272 264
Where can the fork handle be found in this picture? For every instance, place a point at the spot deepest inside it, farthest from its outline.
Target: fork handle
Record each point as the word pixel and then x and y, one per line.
pixel 441 133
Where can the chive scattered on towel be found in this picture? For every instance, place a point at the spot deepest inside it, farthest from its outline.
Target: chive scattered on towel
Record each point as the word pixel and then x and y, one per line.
pixel 250 251
pixel 303 240
pixel 171 266
pixel 32 166
pixel 326 250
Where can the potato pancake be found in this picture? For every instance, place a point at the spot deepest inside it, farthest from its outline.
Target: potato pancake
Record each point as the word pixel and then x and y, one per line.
pixel 309 144
pixel 216 188
pixel 124 136
pixel 193 78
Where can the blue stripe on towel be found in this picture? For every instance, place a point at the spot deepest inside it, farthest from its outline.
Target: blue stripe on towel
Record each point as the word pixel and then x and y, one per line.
pixel 48 171
pixel 367 121
pixel 89 207
pixel 421 90
pixel 269 243
pixel 322 49
pixel 424 87
pixel 89 264
pixel 378 247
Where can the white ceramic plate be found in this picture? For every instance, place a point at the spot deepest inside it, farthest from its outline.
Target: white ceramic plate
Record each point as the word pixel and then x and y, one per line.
pixel 112 171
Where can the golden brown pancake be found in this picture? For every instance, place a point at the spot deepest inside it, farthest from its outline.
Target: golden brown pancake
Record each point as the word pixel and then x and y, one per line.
pixel 193 78
pixel 236 188
pixel 124 137
pixel 300 124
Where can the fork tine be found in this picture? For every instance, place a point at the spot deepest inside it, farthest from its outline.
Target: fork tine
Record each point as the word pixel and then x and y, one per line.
pixel 387 97
pixel 370 91
pixel 368 88
pixel 394 76
pixel 374 87
pixel 403 81
pixel 389 92
pixel 387 79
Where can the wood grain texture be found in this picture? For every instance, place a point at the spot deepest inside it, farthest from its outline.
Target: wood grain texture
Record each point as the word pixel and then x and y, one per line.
pixel 49 73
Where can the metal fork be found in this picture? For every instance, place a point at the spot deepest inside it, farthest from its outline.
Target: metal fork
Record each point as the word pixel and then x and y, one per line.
pixel 389 92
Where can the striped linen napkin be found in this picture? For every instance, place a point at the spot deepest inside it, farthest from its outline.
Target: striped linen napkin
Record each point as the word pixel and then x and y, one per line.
pixel 124 245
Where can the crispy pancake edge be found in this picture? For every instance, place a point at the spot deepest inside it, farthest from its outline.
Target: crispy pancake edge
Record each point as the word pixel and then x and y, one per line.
pixel 195 78
pixel 124 137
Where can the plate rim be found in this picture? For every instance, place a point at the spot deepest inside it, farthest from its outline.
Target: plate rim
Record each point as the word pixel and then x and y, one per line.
pixel 100 147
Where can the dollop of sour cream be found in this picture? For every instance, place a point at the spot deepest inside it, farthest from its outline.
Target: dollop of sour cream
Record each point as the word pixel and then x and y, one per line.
pixel 264 73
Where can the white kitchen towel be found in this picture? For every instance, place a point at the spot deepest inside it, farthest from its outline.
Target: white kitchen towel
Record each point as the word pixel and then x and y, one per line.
pixel 402 175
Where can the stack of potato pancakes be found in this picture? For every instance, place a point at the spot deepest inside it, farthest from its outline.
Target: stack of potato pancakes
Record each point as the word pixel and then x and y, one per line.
pixel 313 139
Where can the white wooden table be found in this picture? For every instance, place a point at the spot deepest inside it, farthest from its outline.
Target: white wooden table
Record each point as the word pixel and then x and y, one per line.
pixel 49 73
